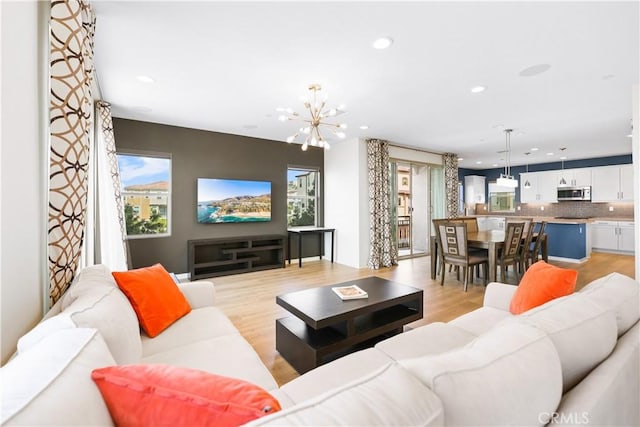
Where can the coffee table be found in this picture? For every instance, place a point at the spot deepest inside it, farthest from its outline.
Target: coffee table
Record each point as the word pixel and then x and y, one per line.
pixel 323 327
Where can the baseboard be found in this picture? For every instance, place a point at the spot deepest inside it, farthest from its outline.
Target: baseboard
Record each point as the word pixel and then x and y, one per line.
pixel 573 260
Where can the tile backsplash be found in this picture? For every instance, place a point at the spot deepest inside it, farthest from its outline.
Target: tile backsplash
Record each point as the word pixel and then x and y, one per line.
pixel 573 209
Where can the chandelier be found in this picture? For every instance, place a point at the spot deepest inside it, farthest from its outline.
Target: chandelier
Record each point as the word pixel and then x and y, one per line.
pixel 506 179
pixel 318 114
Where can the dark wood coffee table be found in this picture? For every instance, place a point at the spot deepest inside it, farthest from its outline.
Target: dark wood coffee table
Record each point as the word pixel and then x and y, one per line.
pixel 324 327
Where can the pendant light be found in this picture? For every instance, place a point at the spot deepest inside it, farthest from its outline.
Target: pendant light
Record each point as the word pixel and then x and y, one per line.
pixel 527 184
pixel 506 179
pixel 563 182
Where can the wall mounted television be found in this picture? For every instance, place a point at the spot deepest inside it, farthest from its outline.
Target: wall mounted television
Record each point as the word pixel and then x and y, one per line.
pixel 233 201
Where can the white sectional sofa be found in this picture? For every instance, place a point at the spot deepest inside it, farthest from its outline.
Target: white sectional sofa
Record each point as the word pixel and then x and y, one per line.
pixel 572 361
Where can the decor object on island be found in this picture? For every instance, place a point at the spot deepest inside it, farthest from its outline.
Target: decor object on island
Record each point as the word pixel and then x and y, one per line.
pixel 318 116
pixel 228 200
pixel 506 179
pixel 349 292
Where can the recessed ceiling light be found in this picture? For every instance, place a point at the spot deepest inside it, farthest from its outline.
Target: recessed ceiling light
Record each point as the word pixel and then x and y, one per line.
pixel 364 127
pixel 460 159
pixel 478 89
pixel 534 70
pixel 382 43
pixel 549 154
pixel 494 165
pixel 534 149
pixel 563 158
pixel 479 162
pixel 629 136
pixel 145 79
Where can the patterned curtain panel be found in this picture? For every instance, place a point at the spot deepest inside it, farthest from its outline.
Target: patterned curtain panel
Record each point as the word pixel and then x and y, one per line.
pixel 383 251
pixel 70 113
pixel 451 184
pixel 111 227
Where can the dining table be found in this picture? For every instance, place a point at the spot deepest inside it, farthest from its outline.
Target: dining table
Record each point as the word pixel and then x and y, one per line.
pixel 493 241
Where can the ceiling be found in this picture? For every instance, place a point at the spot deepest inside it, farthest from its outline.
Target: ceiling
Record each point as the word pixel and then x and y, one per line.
pixel 227 66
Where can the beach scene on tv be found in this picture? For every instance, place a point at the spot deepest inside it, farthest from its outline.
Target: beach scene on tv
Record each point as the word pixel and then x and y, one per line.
pixel 226 200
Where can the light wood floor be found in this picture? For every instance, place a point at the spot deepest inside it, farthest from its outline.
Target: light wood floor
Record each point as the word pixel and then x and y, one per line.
pixel 249 299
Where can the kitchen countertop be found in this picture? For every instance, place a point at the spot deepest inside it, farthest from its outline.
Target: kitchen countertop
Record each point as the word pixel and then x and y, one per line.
pixel 560 220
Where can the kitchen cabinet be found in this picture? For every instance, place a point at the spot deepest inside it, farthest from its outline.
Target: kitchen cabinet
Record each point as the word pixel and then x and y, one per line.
pixel 543 187
pixel 569 241
pixel 612 184
pixel 614 236
pixel 579 177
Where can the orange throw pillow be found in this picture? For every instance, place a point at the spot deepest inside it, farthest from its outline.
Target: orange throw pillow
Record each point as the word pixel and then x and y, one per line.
pixel 154 395
pixel 541 283
pixel 155 297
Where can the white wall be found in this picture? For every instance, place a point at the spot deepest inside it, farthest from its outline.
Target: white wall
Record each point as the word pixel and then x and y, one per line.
pixel 635 142
pixel 21 174
pixel 346 201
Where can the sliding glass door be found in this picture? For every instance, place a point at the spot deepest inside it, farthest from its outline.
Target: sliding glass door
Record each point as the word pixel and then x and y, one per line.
pixel 412 211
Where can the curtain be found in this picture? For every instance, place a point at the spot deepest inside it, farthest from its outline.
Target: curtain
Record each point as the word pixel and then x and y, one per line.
pixel 110 230
pixel 383 251
pixel 72 26
pixel 451 184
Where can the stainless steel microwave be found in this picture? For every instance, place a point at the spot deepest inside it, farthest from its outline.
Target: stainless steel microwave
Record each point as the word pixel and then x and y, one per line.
pixel 574 193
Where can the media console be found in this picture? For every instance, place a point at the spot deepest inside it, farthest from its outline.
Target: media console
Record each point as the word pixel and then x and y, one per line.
pixel 233 255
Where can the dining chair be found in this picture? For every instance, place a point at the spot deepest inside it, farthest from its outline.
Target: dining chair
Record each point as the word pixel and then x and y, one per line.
pixel 533 252
pixel 526 245
pixel 454 251
pixel 510 253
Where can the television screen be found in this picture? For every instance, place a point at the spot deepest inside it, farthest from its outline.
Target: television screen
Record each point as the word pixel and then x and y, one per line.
pixel 229 200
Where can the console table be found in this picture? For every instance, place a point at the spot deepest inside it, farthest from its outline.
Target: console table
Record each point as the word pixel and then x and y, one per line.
pixel 308 230
pixel 323 327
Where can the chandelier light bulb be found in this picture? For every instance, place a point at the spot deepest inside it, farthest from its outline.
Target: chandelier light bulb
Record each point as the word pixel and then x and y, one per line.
pixel 341 135
pixel 342 125
pixel 283 118
pixel 292 138
pixel 305 146
pixel 306 130
pixel 326 145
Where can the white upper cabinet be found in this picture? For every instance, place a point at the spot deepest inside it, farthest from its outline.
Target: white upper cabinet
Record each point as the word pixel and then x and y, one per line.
pixel 612 184
pixel 580 177
pixel 542 187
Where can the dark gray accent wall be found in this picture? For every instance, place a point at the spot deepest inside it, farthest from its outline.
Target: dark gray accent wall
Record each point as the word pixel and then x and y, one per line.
pixel 203 154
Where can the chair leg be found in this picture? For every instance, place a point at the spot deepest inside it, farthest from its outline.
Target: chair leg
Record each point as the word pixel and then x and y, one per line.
pixel 442 271
pixel 465 276
pixel 485 270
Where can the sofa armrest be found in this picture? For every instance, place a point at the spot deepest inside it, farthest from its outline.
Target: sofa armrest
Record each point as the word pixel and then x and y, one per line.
pixel 498 295
pixel 199 294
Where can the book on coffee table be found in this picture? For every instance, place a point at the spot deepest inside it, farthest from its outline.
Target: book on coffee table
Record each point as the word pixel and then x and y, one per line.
pixel 350 292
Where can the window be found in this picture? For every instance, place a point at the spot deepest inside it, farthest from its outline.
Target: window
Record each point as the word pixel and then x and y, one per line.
pixel 302 197
pixel 146 193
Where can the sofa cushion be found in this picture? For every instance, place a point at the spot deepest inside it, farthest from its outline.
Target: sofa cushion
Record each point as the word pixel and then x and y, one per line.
pixel 618 293
pixel 200 324
pixel 50 383
pixel 434 338
pixel 229 355
pixel 582 332
pixel 107 309
pixel 335 374
pixel 88 280
pixel 480 320
pixel 508 376
pixel 609 395
pixel 541 283
pixel 154 295
pixel 44 329
pixel 139 395
pixel 388 396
